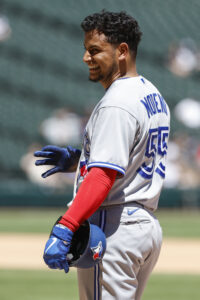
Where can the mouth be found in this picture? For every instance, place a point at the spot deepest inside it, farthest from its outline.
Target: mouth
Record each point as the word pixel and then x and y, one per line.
pixel 94 69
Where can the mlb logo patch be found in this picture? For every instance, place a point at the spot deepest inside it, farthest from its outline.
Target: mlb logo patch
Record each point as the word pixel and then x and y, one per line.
pixel 97 251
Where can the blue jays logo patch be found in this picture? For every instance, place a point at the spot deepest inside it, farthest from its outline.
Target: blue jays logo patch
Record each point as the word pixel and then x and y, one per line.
pixel 97 251
pixel 86 144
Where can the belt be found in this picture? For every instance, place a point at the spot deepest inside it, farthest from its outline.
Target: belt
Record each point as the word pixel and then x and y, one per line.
pixel 133 203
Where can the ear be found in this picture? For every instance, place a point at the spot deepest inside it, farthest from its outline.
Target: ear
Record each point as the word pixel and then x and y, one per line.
pixel 123 51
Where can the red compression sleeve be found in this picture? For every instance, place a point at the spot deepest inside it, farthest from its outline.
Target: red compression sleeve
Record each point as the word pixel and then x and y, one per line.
pixel 92 192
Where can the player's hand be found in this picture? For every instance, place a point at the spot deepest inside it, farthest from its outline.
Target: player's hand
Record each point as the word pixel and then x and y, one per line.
pixel 57 247
pixel 64 159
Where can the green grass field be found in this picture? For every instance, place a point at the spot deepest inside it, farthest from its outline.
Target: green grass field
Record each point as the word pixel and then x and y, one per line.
pixel 175 223
pixel 37 285
pixel 56 285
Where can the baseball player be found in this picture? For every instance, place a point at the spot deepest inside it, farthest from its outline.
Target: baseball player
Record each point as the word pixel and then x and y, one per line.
pixel 121 168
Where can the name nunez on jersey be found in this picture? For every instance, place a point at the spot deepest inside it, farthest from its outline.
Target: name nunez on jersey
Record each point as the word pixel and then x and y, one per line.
pixel 154 104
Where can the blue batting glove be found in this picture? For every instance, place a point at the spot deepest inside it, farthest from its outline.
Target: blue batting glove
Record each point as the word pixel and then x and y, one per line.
pixel 57 248
pixel 64 159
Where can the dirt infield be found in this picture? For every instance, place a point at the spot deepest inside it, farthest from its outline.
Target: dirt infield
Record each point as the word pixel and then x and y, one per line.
pixel 24 251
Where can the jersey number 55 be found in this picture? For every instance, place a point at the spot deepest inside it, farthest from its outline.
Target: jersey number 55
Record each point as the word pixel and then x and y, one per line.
pixel 155 153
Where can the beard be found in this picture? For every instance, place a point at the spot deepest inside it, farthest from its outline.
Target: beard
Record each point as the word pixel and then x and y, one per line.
pixel 97 79
pixel 104 77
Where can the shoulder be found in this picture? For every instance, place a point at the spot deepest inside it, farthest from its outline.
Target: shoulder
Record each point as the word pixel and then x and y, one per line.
pixel 124 94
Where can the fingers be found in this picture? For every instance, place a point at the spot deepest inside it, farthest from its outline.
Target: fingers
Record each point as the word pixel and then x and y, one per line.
pixel 47 162
pixel 50 172
pixel 65 266
pixel 43 154
pixel 57 263
pixel 54 156
pixel 52 148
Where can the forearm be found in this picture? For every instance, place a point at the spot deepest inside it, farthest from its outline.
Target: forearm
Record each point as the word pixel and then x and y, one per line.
pixel 90 196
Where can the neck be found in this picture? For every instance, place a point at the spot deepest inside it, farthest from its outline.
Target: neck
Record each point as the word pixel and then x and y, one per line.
pixel 130 73
pixel 128 68
pixel 125 68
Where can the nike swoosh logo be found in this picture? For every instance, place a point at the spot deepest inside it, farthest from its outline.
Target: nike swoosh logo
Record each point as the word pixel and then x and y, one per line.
pixel 53 242
pixel 131 211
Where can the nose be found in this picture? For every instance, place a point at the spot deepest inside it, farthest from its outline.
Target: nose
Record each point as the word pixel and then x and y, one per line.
pixel 87 57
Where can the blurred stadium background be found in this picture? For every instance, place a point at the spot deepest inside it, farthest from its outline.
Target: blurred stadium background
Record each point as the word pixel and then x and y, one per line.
pixel 44 84
pixel 44 81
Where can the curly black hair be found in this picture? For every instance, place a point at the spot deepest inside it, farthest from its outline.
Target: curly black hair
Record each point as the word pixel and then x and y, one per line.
pixel 117 27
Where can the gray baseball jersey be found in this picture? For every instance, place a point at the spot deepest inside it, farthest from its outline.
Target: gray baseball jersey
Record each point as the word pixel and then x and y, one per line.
pixel 128 131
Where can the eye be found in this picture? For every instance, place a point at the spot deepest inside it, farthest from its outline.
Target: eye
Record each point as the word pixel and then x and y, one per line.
pixel 93 51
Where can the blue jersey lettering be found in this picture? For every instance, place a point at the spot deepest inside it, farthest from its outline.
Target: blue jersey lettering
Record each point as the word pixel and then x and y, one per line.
pixel 154 104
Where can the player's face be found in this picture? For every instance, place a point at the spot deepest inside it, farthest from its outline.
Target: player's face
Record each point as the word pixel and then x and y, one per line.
pixel 101 58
